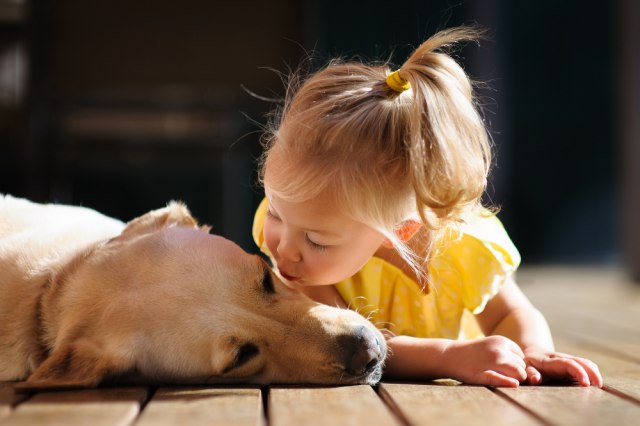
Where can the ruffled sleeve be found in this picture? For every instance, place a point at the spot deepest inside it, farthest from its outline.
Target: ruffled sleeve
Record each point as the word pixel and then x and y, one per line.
pixel 258 227
pixel 478 262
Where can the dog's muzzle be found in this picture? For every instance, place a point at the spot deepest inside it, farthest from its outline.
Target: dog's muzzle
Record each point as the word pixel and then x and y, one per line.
pixel 364 354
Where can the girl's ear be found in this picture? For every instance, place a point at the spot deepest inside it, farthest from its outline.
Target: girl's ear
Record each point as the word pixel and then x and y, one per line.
pixel 405 232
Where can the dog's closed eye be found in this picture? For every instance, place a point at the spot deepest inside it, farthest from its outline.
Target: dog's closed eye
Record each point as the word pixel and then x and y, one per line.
pixel 245 353
pixel 267 283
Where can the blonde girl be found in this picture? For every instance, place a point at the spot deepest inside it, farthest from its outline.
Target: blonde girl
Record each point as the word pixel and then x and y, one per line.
pixel 373 182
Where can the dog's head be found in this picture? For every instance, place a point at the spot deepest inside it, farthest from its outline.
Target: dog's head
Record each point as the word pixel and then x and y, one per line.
pixel 168 302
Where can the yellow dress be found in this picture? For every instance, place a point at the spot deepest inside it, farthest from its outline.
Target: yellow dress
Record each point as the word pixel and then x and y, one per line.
pixel 464 274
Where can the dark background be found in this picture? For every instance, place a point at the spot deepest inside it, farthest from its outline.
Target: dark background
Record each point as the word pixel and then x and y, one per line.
pixel 122 105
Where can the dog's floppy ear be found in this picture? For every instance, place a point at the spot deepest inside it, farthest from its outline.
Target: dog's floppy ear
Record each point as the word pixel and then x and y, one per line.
pixel 81 364
pixel 175 214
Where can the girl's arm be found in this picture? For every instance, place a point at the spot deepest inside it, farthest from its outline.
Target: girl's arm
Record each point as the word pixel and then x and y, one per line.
pixel 510 314
pixel 492 361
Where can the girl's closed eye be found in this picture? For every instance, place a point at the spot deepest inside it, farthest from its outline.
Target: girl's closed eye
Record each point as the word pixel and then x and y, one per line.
pixel 314 245
pixel 272 215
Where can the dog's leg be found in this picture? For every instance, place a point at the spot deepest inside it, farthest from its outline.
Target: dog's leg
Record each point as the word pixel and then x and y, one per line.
pixel 80 364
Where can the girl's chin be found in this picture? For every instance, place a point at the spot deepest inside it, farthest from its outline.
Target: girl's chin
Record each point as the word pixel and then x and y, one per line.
pixel 303 282
pixel 295 284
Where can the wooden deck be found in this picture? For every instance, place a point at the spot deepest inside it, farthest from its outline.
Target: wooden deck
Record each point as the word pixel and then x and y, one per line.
pixel 593 312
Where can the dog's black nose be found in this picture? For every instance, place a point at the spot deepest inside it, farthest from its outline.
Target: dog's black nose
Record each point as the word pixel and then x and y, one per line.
pixel 364 352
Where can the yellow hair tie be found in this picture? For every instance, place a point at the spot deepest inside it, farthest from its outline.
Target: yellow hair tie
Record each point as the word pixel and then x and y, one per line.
pixel 397 83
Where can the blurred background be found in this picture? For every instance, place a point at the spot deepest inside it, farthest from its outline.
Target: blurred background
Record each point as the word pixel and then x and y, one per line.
pixel 122 105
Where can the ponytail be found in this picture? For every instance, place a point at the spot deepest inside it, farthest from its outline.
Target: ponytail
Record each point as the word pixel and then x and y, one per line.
pixel 447 143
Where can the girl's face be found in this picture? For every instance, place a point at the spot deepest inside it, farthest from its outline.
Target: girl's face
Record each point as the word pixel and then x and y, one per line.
pixel 312 243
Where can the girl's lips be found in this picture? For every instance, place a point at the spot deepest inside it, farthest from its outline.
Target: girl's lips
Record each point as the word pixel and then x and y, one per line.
pixel 288 277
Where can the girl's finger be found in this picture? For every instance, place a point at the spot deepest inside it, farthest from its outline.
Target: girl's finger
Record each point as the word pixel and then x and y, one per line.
pixel 577 372
pixel 514 367
pixel 520 362
pixel 493 378
pixel 595 378
pixel 562 368
pixel 533 376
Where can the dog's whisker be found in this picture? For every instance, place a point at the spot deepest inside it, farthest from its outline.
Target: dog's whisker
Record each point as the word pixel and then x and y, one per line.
pixel 372 314
pixel 355 299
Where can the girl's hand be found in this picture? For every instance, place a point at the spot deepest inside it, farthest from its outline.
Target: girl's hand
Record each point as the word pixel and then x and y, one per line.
pixel 491 361
pixel 543 364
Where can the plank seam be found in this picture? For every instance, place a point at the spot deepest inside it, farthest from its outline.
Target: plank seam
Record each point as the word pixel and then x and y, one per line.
pixel 264 393
pixel 524 408
pixel 620 394
pixel 150 393
pixel 24 397
pixel 387 400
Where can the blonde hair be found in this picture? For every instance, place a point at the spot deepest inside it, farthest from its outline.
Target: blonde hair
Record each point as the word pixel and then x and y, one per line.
pixel 381 154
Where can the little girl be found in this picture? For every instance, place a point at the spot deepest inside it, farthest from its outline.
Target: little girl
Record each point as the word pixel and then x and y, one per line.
pixel 373 182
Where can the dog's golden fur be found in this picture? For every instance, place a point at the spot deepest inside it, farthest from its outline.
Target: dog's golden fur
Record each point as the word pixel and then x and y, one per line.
pixel 84 298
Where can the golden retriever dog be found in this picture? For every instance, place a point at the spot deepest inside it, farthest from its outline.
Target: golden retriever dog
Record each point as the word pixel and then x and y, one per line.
pixel 85 298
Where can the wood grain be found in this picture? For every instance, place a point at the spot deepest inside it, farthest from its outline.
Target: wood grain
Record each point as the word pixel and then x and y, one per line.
pixel 566 405
pixel 331 406
pixel 96 407
pixel 620 375
pixel 454 405
pixel 202 406
pixel 595 305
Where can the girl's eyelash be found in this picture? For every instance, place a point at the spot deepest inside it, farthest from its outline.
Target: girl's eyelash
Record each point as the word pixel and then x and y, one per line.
pixel 315 246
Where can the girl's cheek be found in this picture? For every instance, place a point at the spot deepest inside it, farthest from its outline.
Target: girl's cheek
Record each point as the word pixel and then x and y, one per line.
pixel 326 266
pixel 270 238
pixel 270 246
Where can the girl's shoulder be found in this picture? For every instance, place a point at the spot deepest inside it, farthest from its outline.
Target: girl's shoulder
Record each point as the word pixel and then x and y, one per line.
pixel 475 259
pixel 479 238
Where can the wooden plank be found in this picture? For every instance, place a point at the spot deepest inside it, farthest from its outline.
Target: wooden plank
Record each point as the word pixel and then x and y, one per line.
pixel 580 286
pixel 96 407
pixel 620 376
pixel 8 399
pixel 596 305
pixel 346 405
pixel 614 318
pixel 602 294
pixel 595 328
pixel 204 406
pixel 423 404
pixel 567 405
pixel 613 339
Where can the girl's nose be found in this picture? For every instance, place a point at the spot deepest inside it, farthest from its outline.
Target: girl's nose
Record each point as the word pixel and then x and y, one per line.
pixel 288 250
